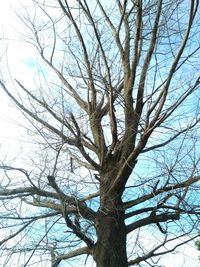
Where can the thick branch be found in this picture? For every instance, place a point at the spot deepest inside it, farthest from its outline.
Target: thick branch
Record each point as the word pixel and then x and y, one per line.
pixel 71 254
pixel 152 219
pixel 85 211
pixel 162 190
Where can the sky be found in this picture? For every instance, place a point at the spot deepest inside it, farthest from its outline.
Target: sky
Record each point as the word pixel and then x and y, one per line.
pixel 19 58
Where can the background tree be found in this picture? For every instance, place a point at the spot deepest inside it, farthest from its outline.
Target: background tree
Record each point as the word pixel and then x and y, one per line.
pixel 115 112
pixel 197 244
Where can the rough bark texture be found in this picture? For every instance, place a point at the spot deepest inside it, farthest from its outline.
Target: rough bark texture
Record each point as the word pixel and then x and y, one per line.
pixel 110 249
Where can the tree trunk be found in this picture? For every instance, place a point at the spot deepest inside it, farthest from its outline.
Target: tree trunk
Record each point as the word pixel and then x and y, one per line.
pixel 110 250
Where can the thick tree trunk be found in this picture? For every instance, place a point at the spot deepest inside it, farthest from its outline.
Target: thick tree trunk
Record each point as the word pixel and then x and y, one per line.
pixel 110 250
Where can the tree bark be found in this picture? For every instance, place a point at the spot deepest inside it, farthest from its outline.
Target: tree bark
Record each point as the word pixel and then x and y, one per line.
pixel 110 249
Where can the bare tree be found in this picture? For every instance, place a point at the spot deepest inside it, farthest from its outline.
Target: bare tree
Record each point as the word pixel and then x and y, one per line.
pixel 116 121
